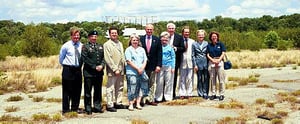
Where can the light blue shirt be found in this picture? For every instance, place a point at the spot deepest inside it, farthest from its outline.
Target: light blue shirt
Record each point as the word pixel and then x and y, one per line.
pixel 67 54
pixel 168 56
pixel 137 56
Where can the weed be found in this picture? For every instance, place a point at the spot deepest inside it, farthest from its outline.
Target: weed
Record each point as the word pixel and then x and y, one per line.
pixel 9 118
pixel 260 101
pixel 231 120
pixel 54 100
pixel 71 114
pixel 233 104
pixel 277 121
pixel 57 117
pixel 231 85
pixel 37 99
pixel 139 121
pixel 284 81
pixel 296 93
pixel 282 113
pixel 14 98
pixel 55 81
pixel 270 104
pixel 41 87
pixel 263 86
pixel 41 117
pixel 294 67
pixel 12 109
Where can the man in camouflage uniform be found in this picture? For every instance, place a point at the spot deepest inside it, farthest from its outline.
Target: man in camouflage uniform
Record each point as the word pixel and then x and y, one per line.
pixel 93 58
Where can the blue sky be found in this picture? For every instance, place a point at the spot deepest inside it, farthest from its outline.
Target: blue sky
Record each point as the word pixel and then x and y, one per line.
pixel 62 11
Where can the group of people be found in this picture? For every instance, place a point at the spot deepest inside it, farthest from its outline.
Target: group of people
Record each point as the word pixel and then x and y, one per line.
pixel 150 64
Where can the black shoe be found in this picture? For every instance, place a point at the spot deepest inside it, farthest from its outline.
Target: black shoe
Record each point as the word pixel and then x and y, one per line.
pixel 121 106
pixel 79 111
pixel 98 110
pixel 221 97
pixel 88 112
pixel 111 109
pixel 212 97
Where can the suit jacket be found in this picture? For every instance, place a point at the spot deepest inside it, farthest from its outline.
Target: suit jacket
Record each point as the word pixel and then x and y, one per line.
pixel 178 42
pixel 114 57
pixel 155 54
pixel 92 56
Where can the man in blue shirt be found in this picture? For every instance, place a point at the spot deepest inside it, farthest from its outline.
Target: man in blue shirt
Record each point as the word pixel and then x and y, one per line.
pixel 69 58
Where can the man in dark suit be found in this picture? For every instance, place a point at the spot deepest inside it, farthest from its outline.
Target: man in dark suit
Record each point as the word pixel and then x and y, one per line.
pixel 176 41
pixel 153 49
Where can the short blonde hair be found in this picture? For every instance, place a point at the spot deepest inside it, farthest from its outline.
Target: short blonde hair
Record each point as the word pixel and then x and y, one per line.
pixel 201 31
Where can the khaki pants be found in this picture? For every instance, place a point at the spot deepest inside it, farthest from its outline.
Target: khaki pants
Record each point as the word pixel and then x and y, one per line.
pixel 114 90
pixel 217 72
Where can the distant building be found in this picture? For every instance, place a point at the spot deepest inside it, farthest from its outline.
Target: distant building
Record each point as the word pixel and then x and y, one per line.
pixel 128 31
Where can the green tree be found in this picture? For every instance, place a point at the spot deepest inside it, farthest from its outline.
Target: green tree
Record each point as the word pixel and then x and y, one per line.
pixel 271 39
pixel 37 41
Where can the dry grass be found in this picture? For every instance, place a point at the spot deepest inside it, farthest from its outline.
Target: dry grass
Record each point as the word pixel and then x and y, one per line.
pixel 71 115
pixel 232 120
pixel 12 109
pixel 58 100
pixel 263 86
pixel 138 121
pixel 260 101
pixel 233 104
pixel 23 63
pixel 14 98
pixel 37 99
pixel 243 81
pixel 268 58
pixel 284 81
pixel 191 100
pixel 41 117
pixel 9 118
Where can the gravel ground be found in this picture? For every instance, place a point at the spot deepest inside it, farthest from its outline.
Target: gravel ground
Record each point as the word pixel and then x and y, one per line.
pixel 204 113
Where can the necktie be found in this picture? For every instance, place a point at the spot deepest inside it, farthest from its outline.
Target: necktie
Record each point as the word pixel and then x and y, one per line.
pixel 148 44
pixel 186 42
pixel 77 55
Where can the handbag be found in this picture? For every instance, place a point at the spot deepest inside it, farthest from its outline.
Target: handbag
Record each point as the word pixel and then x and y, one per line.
pixel 227 63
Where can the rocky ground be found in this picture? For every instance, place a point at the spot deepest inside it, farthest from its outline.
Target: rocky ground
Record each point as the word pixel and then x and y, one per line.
pixel 205 112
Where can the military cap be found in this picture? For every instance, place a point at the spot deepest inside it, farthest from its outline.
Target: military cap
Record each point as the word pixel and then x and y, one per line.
pixel 93 33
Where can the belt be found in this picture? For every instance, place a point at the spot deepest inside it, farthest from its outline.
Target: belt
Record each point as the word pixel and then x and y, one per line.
pixel 71 67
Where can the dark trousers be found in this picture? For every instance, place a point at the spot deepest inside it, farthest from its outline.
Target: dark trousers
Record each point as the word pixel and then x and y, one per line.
pixel 71 88
pixel 175 81
pixel 203 82
pixel 96 83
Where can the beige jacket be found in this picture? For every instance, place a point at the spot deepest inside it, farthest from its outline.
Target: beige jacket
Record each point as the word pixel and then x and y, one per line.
pixel 114 57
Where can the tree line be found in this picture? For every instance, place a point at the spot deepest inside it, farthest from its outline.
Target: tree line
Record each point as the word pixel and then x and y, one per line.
pixel 44 39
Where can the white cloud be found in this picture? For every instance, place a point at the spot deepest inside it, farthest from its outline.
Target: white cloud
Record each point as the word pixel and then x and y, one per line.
pixel 293 10
pixel 265 4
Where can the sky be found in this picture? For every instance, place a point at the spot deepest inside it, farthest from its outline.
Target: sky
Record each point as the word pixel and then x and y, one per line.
pixel 140 11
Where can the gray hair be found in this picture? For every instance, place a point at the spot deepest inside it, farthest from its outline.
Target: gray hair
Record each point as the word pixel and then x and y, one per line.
pixel 171 24
pixel 165 34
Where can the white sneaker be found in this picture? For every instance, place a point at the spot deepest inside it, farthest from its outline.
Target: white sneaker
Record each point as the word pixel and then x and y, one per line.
pixel 130 108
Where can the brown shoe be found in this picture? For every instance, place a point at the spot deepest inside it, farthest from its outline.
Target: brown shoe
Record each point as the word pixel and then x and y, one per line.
pixel 152 103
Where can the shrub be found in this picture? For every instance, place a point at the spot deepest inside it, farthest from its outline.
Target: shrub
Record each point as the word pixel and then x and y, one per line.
pixel 14 98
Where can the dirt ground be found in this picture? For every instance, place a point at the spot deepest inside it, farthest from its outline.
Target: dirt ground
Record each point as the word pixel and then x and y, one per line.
pixel 203 113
